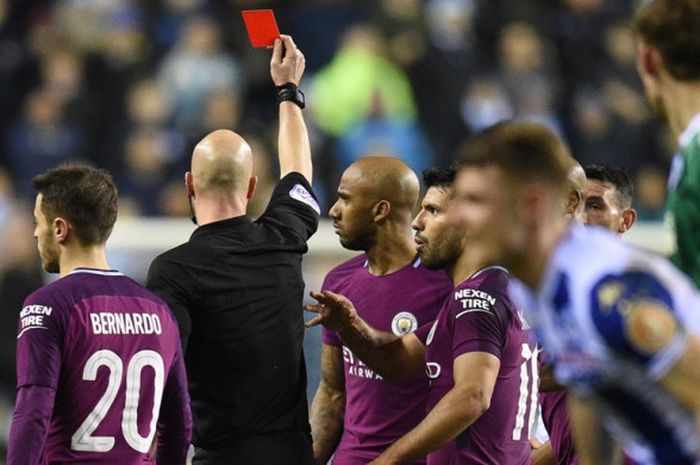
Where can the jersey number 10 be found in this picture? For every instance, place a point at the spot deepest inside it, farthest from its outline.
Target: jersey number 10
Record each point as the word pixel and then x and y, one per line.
pixel 82 439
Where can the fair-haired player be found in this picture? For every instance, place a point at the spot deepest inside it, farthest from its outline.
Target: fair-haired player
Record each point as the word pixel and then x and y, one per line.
pixel 620 325
pixel 356 414
pixel 99 365
pixel 478 356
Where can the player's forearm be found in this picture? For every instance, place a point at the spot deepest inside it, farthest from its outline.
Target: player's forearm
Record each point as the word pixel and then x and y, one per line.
pixel 327 414
pixel 293 141
pixel 30 423
pixel 452 415
pixel 594 445
pixel 387 354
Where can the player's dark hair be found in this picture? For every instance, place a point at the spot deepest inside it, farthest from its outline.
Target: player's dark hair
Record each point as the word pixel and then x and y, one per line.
pixel 617 177
pixel 83 195
pixel 523 151
pixel 672 27
pixel 437 177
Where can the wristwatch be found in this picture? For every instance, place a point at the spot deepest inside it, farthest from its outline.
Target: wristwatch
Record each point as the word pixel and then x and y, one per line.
pixel 290 92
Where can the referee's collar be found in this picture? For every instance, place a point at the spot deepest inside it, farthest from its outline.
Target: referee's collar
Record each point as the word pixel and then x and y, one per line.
pixel 222 225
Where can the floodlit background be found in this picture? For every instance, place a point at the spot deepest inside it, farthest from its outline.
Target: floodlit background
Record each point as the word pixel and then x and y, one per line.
pixel 131 85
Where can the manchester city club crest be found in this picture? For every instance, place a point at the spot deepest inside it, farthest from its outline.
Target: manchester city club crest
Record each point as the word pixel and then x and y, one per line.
pixel 404 323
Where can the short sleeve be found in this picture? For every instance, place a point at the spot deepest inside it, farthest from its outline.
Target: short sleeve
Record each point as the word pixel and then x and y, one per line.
pixel 293 206
pixel 610 306
pixel 41 327
pixel 477 324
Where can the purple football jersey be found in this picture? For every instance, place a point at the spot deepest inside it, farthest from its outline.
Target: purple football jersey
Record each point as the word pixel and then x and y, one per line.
pixel 478 316
pixel 378 412
pixel 108 347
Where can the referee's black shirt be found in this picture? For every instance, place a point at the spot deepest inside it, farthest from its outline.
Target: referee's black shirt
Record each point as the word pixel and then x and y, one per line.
pixel 236 289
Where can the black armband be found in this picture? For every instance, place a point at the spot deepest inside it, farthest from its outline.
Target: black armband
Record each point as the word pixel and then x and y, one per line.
pixel 290 92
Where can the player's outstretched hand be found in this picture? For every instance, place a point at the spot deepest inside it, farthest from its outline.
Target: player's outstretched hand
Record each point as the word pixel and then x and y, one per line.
pixel 334 311
pixel 287 63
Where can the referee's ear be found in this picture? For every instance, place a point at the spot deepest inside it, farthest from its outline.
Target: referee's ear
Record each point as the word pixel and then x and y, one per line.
pixel 189 184
pixel 252 183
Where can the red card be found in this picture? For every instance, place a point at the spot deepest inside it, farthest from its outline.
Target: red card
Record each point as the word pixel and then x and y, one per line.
pixel 261 26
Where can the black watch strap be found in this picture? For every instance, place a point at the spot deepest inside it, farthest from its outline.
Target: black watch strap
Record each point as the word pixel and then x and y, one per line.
pixel 290 92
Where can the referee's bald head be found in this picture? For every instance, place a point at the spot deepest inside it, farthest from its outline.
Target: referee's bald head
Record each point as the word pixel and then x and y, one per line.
pixel 222 163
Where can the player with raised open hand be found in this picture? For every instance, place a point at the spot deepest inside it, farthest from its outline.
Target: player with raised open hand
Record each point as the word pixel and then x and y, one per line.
pixel 477 353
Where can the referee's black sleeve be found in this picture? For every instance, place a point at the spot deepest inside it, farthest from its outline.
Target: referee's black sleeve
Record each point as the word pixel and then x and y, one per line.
pixel 167 280
pixel 293 206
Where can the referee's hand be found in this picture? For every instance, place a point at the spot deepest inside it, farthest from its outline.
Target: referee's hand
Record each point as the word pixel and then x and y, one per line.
pixel 287 63
pixel 334 311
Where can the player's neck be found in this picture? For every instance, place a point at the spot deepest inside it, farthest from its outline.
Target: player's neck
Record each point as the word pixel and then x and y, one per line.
pixel 212 209
pixel 530 268
pixel 83 257
pixel 463 268
pixel 390 253
pixel 682 104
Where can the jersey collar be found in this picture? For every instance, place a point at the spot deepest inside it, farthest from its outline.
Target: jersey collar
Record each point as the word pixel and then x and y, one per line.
pixel 222 225
pixel 96 271
pixel 690 131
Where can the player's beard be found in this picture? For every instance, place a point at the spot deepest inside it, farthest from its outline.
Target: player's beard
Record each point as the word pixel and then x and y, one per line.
pixel 441 255
pixel 49 253
pixel 358 238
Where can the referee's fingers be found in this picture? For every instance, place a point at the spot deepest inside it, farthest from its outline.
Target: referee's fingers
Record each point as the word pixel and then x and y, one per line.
pixel 277 52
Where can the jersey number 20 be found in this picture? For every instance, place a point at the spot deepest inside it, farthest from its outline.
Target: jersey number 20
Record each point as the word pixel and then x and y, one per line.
pixel 82 439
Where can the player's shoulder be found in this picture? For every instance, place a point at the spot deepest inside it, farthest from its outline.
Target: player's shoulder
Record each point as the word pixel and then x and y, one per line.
pixel 52 293
pixel 587 245
pixel 493 279
pixel 485 291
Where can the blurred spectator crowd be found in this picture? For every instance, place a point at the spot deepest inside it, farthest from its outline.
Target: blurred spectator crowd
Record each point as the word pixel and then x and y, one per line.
pixel 131 85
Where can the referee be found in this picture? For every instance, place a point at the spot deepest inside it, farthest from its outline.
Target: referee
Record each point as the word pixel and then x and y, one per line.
pixel 236 289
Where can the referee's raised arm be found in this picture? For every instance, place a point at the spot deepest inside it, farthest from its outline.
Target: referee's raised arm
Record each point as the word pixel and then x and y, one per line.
pixel 287 67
